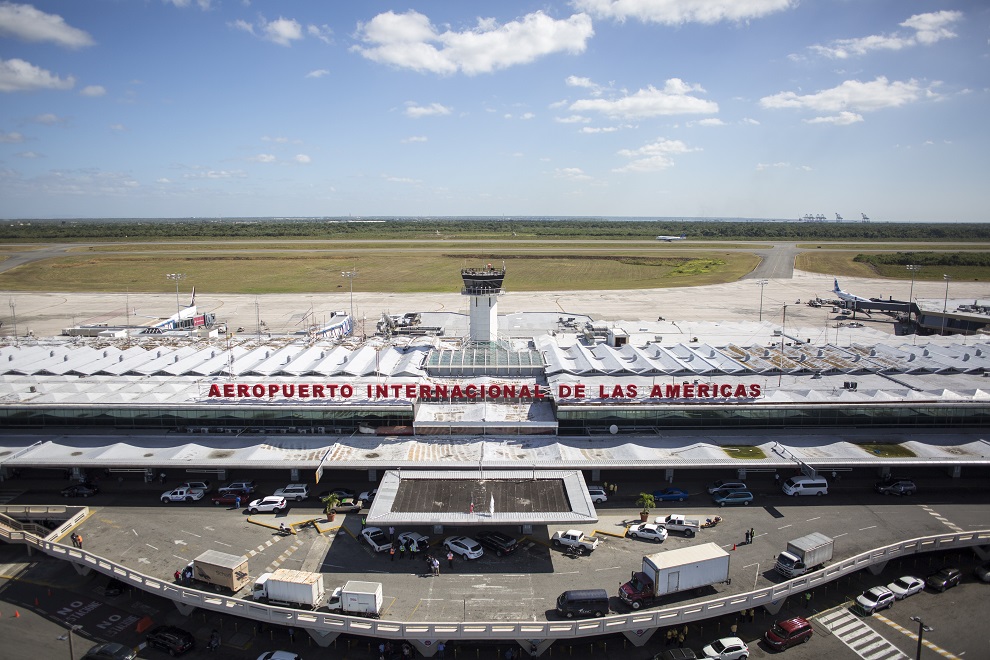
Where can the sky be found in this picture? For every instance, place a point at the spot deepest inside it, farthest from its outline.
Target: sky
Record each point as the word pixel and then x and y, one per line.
pixel 657 108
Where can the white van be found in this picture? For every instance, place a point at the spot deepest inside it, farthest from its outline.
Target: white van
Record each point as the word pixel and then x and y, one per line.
pixel 805 486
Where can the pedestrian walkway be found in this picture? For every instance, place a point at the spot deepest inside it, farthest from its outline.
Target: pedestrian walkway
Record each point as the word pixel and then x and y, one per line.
pixel 901 629
pixel 858 636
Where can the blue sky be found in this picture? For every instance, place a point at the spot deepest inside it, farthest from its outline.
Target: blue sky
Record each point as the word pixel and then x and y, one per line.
pixel 683 108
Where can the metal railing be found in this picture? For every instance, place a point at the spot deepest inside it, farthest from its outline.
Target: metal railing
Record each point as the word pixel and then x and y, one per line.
pixel 328 623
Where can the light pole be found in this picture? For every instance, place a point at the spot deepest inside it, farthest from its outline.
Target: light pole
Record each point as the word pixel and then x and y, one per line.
pixel 914 268
pixel 922 629
pixel 351 274
pixel 13 316
pixel 945 303
pixel 177 277
pixel 72 629
pixel 762 284
pixel 780 361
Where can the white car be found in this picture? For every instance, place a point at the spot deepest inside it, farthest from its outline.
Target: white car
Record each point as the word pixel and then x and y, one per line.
pixel 727 648
pixel 297 492
pixel 376 538
pixel 368 496
pixel 201 485
pixel 905 586
pixel 875 599
pixel 466 547
pixel 597 494
pixel 278 655
pixel 648 531
pixel 183 495
pixel 270 504
pixel 422 542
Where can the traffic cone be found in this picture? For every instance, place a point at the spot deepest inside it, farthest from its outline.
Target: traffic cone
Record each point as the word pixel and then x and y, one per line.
pixel 36 603
pixel 733 546
pixel 17 614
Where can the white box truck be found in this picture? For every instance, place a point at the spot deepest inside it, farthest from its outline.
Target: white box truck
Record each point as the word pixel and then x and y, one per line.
pixel 298 589
pixel 666 573
pixel 357 598
pixel 805 554
pixel 220 569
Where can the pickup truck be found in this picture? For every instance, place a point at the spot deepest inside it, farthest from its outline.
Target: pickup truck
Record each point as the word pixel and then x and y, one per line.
pixel 182 495
pixel 675 522
pixel 576 540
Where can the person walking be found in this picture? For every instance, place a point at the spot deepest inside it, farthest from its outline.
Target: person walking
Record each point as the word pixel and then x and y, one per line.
pixel 734 628
pixel 391 533
pixel 413 549
pixel 177 576
pixel 391 553
pixel 752 534
pixel 79 541
pixel 364 522
pixel 402 551
pixel 776 479
pixel 441 650
pixel 161 477
pixel 747 537
pixel 436 566
pixel 450 559
pixel 237 502
pixel 680 640
pixel 807 599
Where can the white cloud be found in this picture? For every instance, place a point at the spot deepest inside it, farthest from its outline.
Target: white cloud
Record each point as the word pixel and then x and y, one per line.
pixel 93 91
pixel 400 179
pixel 674 99
pixel 586 83
pixel 215 174
pixel 11 138
pixel 527 115
pixel 679 12
pixel 202 4
pixel 278 140
pixel 928 29
pixel 749 121
pixel 410 41
pixel 842 119
pixel 414 138
pixel 654 156
pixel 48 119
pixel 302 159
pixel 19 76
pixel 120 128
pixel 598 129
pixel 321 32
pixel 573 119
pixel 851 95
pixel 29 24
pixel 710 121
pixel 262 158
pixel 282 31
pixel 28 154
pixel 432 110
pixel 760 167
pixel 573 173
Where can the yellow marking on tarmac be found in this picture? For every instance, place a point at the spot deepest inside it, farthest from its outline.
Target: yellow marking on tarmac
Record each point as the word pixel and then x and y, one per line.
pixel 612 534
pixel 901 629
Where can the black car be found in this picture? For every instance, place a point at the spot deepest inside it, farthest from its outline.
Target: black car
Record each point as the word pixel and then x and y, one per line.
pixel 171 639
pixel 80 490
pixel 110 651
pixel 943 579
pixel 897 487
pixel 501 544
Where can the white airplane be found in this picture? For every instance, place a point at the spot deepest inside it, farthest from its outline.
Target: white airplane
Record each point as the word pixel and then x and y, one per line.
pixel 866 218
pixel 847 296
pixel 672 238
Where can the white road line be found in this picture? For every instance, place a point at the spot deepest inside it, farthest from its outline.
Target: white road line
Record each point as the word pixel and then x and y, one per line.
pixel 785 526
pixel 838 535
pixel 610 568
pixel 199 536
pixel 863 529
pixel 135 532
pixel 222 543
pixel 815 518
pixel 151 546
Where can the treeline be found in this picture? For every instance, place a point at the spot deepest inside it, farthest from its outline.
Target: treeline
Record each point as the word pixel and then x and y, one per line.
pixel 981 259
pixel 521 229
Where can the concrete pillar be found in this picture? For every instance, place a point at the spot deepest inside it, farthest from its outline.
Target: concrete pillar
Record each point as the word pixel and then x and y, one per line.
pixel 222 475
pixel 322 639
pixel 876 569
pixel 294 475
pixel 982 551
pixel 78 474
pixel 185 609
pixel 742 474
pixel 426 647
pixel 669 475
pixel 955 471
pixel 885 472
pixel 82 569
pixel 373 475
pixel 596 475
pixel 639 637
pixel 534 648
pixel 774 606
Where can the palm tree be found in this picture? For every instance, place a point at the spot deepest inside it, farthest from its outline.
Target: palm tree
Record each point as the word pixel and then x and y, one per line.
pixel 329 503
pixel 647 501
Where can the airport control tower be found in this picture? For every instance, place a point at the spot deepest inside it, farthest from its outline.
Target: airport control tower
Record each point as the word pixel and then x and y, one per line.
pixel 484 285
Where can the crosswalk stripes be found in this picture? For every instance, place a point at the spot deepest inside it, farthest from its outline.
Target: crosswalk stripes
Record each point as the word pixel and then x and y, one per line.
pixel 896 626
pixel 861 638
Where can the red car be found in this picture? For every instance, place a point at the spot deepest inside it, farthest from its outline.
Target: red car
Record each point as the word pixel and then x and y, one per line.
pixel 230 498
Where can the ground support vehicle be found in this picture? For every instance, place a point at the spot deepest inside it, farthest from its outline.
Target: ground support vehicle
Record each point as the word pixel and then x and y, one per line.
pixel 675 522
pixel 576 540
pixel 665 573
pixel 222 570
pixel 298 589
pixel 357 598
pixel 804 554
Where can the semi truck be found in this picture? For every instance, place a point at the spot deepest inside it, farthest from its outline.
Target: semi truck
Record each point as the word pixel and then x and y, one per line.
pixel 298 589
pixel 805 554
pixel 357 598
pixel 666 573
pixel 222 570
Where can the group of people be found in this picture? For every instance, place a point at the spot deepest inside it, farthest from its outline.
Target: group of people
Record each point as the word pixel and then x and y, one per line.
pixel 386 651
pixel 675 636
pixel 184 575
pixel 76 540
pixel 611 489
pixel 750 535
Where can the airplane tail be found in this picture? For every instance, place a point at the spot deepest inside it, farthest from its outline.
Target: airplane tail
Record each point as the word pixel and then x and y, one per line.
pixel 836 288
pixel 683 236
pixel 192 301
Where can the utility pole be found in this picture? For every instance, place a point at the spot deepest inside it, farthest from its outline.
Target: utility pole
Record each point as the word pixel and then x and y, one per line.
pixel 350 275
pixel 13 316
pixel 762 284
pixel 780 361
pixel 914 268
pixel 945 303
pixel 922 629
pixel 177 277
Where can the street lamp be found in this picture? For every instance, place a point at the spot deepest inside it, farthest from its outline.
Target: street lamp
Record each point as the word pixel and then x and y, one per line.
pixel 72 629
pixel 177 277
pixel 13 315
pixel 945 303
pixel 914 268
pixel 922 629
pixel 762 284
pixel 351 274
pixel 780 360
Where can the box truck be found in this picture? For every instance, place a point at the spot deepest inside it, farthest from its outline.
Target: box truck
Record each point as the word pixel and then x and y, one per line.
pixel 666 573
pixel 299 589
pixel 220 569
pixel 357 598
pixel 805 554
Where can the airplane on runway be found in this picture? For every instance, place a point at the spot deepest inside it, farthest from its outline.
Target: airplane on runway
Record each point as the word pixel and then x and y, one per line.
pixel 672 238
pixel 847 296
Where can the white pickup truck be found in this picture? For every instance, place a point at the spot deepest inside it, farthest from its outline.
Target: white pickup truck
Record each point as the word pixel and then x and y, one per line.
pixel 183 495
pixel 576 540
pixel 675 522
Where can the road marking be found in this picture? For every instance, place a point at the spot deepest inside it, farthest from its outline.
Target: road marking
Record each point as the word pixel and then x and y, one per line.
pixel 610 568
pixel 838 535
pixel 863 529
pixel 191 534
pixel 151 546
pixel 222 543
pixel 858 636
pixel 785 526
pixel 901 629
pixel 179 542
pixel 815 518
pixel 135 531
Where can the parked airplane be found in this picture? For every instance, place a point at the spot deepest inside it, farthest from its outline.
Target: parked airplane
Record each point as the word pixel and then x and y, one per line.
pixel 672 238
pixel 847 296
pixel 866 218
